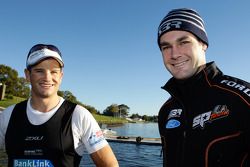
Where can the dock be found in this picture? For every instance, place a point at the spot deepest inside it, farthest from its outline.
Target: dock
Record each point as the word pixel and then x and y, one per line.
pixel 134 140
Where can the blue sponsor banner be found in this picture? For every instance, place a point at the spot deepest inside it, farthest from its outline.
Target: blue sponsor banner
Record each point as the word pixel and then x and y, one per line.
pixel 32 163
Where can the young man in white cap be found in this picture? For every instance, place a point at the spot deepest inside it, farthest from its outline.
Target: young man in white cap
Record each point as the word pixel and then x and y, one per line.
pixel 47 130
pixel 206 121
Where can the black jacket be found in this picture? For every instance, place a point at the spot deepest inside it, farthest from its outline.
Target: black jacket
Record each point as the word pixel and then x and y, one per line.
pixel 206 122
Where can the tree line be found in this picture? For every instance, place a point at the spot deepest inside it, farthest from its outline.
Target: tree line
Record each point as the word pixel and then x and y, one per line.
pixel 18 86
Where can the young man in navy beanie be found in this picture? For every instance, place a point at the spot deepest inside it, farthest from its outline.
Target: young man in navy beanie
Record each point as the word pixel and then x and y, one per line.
pixel 206 121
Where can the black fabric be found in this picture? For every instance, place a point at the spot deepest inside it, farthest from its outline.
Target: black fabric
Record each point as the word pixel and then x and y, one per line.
pixel 52 140
pixel 206 122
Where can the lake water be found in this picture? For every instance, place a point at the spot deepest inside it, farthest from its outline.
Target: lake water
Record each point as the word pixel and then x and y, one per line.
pixel 138 129
pixel 132 155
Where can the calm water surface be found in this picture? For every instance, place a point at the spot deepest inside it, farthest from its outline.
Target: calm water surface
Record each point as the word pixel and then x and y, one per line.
pixel 138 129
pixel 130 155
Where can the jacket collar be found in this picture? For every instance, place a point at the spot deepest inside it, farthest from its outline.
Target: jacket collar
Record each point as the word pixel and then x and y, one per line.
pixel 174 86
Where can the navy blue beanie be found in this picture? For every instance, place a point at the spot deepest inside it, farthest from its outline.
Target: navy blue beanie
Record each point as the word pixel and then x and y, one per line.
pixel 183 19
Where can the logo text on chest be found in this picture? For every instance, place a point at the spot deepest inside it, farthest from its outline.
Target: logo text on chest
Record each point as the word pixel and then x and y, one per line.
pixel 219 111
pixel 33 138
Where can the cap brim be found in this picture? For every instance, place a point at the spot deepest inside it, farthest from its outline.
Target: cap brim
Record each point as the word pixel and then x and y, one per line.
pixel 40 55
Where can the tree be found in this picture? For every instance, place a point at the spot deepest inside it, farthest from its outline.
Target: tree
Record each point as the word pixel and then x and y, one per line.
pixel 135 116
pixel 91 109
pixel 111 110
pixel 67 95
pixel 22 88
pixel 123 110
pixel 146 118
pixel 9 77
pixel 14 85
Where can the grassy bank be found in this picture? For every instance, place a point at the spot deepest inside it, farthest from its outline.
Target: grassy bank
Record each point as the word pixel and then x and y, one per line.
pixel 99 118
pixel 109 120
pixel 7 102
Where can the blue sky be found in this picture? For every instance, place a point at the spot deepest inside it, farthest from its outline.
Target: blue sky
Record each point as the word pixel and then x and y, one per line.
pixel 109 47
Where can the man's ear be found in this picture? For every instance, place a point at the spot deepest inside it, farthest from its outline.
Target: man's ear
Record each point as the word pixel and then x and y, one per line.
pixel 204 47
pixel 27 75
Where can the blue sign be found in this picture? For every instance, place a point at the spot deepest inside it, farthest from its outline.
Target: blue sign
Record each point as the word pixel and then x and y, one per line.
pixel 32 163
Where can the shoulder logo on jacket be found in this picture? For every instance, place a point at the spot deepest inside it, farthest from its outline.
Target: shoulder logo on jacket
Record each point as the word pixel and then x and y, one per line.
pixel 238 86
pixel 219 111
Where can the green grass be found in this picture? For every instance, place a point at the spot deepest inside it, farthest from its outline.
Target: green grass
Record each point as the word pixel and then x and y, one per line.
pixel 99 118
pixel 109 120
pixel 7 102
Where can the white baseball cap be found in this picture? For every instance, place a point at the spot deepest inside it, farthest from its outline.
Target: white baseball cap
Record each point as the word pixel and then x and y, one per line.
pixel 40 52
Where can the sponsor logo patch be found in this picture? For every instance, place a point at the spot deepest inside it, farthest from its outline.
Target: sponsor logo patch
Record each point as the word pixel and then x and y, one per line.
pixel 219 112
pixel 96 138
pixel 173 124
pixel 175 113
pixel 32 163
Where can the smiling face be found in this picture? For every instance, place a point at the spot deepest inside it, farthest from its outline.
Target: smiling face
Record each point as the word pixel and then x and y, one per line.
pixel 45 78
pixel 182 53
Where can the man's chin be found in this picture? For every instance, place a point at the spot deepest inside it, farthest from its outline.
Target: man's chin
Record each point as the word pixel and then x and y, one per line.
pixel 181 75
pixel 46 95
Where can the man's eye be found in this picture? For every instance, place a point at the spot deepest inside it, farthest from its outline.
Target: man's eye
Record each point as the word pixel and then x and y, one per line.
pixel 55 72
pixel 38 71
pixel 165 47
pixel 184 42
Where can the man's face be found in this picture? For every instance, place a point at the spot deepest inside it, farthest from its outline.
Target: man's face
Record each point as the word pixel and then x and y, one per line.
pixel 45 78
pixel 182 53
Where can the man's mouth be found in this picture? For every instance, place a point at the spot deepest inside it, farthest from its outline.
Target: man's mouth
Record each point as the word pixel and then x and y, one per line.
pixel 180 64
pixel 46 85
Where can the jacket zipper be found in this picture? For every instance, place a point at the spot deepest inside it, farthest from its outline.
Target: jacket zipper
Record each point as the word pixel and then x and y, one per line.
pixel 182 151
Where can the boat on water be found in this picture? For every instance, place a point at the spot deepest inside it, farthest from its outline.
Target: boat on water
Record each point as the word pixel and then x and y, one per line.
pixel 112 136
pixel 108 132
pixel 134 140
